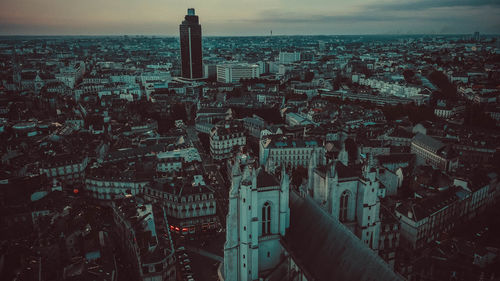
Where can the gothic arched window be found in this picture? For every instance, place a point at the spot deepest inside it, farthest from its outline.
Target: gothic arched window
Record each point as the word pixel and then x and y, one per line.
pixel 344 206
pixel 266 219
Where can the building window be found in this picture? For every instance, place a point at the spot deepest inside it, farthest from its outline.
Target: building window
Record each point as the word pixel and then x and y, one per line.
pixel 344 205
pixel 266 219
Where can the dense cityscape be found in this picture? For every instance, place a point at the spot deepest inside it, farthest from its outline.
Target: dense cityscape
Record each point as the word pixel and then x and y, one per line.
pixel 362 157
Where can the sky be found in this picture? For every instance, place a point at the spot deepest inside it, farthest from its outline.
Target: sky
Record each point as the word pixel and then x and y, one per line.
pixel 249 17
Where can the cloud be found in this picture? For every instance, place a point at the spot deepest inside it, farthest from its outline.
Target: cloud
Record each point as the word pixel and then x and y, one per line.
pixel 361 16
pixel 224 17
pixel 429 4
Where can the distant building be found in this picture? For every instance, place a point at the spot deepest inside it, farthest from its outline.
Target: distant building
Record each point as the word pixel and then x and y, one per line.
pixel 289 57
pixel 433 152
pixel 66 168
pixel 191 50
pixel 189 203
pixel 279 150
pixel 254 125
pixel 210 71
pixel 71 75
pixel 424 220
pixel 225 137
pixel 477 36
pixel 174 160
pixel 389 235
pixel 106 187
pixel 234 72
pixel 143 231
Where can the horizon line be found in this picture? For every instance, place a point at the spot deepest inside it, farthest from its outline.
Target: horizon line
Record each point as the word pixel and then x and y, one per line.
pixel 274 35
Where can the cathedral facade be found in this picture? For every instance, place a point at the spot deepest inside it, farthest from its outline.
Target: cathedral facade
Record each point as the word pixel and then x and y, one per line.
pixel 257 219
pixel 348 192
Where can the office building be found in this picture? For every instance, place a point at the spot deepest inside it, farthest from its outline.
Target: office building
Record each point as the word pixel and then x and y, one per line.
pixel 289 57
pixel 233 72
pixel 191 52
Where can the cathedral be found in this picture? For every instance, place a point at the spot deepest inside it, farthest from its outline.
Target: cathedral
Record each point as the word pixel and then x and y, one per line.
pixel 348 192
pixel 258 216
pixel 275 232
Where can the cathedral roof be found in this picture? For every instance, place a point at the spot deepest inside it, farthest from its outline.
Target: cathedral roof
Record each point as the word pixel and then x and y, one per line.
pixel 342 170
pixel 332 252
pixel 264 179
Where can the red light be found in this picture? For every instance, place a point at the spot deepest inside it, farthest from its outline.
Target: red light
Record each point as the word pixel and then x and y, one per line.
pixel 184 229
pixel 75 191
pixel 177 229
pixel 172 227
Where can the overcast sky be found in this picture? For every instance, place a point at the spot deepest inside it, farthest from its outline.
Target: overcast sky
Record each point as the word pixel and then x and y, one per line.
pixel 249 17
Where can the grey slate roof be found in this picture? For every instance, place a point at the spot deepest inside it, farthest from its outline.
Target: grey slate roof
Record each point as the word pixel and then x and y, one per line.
pixel 327 250
pixel 427 142
pixel 264 179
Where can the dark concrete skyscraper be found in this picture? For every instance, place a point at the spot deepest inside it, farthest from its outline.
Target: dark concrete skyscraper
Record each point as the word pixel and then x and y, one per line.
pixel 191 57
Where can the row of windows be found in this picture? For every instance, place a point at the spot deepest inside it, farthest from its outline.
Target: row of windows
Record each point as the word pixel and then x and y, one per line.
pixel 188 208
pixel 228 137
pixel 112 184
pixel 292 157
pixel 289 152
pixel 183 199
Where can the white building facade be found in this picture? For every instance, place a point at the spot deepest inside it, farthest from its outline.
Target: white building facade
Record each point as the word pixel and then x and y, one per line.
pixel 289 57
pixel 232 73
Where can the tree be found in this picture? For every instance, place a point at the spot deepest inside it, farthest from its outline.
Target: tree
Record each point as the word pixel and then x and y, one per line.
pixel 475 116
pixel 441 81
pixel 179 112
pixel 416 114
pixel 309 76
pixel 408 75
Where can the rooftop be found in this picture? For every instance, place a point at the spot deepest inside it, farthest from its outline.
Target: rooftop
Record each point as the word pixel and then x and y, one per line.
pixel 332 252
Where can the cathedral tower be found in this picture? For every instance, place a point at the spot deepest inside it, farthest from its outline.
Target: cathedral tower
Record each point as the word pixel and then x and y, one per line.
pixel 257 218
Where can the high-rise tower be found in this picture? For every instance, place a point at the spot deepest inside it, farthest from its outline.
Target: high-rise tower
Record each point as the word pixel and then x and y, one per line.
pixel 191 55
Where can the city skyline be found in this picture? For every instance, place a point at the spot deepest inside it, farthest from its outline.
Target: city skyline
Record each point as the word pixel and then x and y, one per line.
pixel 56 17
pixel 172 158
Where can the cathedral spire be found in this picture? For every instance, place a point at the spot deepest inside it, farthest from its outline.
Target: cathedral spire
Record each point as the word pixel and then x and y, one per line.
pixel 343 156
